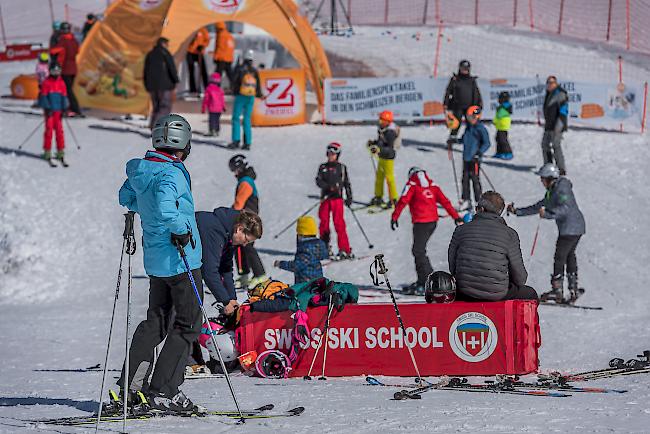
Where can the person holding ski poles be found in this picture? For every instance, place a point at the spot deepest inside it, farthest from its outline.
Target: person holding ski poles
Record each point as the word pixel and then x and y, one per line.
pixel 559 204
pixel 53 99
pixel 476 142
pixel 462 92
pixel 158 189
pixel 388 139
pixel 332 178
pixel 422 196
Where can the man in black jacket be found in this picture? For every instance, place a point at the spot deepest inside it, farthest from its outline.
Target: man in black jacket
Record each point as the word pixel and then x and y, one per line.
pixel 160 79
pixel 462 93
pixel 485 256
pixel 221 231
pixel 556 115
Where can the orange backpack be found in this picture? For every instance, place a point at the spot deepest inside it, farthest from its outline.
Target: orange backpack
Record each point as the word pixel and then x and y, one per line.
pixel 267 290
pixel 248 85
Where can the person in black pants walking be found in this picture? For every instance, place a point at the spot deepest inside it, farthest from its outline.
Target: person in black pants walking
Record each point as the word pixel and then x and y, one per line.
pixel 462 92
pixel 160 79
pixel 559 204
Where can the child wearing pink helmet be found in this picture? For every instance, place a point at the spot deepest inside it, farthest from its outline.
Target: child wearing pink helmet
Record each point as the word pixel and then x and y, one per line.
pixel 214 102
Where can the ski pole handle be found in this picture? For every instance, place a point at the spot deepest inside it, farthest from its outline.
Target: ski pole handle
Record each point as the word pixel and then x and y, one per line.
pixel 380 262
pixel 129 218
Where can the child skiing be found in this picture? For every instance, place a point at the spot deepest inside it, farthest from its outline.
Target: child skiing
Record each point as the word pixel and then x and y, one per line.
pixel 158 189
pixel 214 103
pixel 310 250
pixel 388 136
pixel 246 197
pixel 502 123
pixel 332 178
pixel 422 196
pixel 53 99
pixel 559 204
pixel 476 142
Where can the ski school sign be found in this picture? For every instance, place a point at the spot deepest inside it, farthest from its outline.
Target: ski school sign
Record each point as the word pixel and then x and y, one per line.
pixel 451 339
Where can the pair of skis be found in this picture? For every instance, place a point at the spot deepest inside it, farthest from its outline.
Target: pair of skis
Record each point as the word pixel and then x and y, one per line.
pixel 51 162
pixel 264 412
pixel 617 367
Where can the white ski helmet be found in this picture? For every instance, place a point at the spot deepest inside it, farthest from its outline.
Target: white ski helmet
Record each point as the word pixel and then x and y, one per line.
pixel 249 55
pixel 171 132
pixel 549 170
pixel 226 344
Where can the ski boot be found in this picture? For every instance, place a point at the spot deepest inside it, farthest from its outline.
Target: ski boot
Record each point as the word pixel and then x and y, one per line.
pixel 574 291
pixel 330 253
pixel 556 294
pixel 178 403
pixel 389 204
pixel 376 201
pixel 256 280
pixel 246 147
pixel 242 282
pixel 137 403
pixel 47 155
pixel 211 133
pixel 60 155
pixel 234 145
pixel 342 256
pixel 464 205
pixel 410 289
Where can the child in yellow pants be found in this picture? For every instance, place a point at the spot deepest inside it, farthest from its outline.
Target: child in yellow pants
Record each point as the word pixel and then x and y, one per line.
pixel 384 148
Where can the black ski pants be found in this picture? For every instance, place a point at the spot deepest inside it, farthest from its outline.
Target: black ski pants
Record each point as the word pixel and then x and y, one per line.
pixel 191 59
pixel 74 104
pixel 421 234
pixel 224 67
pixel 167 296
pixel 472 171
pixel 248 259
pixel 565 254
pixel 503 144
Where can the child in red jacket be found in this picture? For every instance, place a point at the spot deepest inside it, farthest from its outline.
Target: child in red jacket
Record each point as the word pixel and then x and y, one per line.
pixel 214 103
pixel 53 99
pixel 422 196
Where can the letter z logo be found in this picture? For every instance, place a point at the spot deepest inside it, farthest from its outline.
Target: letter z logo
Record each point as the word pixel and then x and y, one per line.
pixel 279 92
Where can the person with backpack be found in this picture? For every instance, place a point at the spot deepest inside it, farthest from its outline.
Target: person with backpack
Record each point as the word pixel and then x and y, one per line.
pixel 422 196
pixel 246 87
pixel 246 197
pixel 53 99
pixel 462 92
pixel 556 121
pixel 332 178
pixel 214 102
pixel 559 204
pixel 158 188
pixel 502 124
pixel 310 250
pixel 388 140
pixel 476 142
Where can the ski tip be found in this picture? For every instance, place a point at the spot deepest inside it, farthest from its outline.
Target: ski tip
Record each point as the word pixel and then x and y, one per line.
pixel 297 411
pixel 266 407
pixel 399 396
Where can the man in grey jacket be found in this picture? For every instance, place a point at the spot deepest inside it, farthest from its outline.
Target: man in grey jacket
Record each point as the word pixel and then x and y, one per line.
pixel 485 257
pixel 559 204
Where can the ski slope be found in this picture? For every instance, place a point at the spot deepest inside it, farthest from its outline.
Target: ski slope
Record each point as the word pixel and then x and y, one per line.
pixel 60 240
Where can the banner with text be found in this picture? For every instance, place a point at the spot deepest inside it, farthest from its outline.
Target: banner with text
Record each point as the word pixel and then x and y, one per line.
pixel 599 105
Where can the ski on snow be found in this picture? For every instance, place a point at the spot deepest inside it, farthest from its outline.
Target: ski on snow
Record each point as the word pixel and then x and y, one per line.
pixel 569 305
pixel 617 367
pixel 263 412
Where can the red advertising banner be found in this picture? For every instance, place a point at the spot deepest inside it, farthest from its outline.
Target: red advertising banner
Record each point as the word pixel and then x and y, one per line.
pixel 447 339
pixel 21 52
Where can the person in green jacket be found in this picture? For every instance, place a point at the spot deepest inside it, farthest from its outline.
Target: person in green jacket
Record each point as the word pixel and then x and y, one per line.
pixel 502 123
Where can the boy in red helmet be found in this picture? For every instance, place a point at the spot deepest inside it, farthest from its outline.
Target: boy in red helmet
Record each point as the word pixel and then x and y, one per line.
pixel 332 178
pixel 476 141
pixel 388 139
pixel 422 196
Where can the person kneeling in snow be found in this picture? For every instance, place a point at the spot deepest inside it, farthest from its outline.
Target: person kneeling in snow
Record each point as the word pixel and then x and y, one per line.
pixel 485 256
pixel 310 250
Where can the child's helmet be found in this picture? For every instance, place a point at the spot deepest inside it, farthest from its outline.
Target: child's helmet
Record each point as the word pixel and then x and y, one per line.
pixel 504 96
pixel 55 70
pixel 44 57
pixel 237 162
pixel 334 148
pixel 386 116
pixel 171 132
pixel 474 111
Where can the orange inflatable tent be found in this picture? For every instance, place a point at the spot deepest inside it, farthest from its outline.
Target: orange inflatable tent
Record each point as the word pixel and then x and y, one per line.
pixel 111 59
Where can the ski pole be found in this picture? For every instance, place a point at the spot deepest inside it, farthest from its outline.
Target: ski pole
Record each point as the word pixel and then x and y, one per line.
pixel 380 268
pixel 453 168
pixel 488 179
pixel 214 341
pixel 327 337
pixel 296 219
pixel 128 230
pixel 532 249
pixel 374 164
pixel 125 384
pixel 320 342
pixel 30 135
pixel 74 137
pixel 356 219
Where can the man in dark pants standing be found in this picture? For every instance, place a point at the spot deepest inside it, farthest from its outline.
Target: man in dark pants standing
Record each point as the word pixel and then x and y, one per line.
pixel 485 256
pixel 559 204
pixel 66 50
pixel 422 196
pixel 462 92
pixel 556 117
pixel 160 79
pixel 158 189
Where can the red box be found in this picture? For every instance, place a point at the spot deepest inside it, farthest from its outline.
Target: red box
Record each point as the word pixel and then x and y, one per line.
pixel 447 339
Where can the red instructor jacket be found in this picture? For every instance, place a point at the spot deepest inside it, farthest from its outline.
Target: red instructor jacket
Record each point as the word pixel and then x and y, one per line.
pixel 423 196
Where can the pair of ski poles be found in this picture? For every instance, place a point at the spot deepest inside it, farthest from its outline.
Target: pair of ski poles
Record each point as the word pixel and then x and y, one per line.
pixel 129 247
pixel 29 136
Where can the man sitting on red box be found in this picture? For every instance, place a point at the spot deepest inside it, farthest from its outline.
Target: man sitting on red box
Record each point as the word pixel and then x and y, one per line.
pixel 485 256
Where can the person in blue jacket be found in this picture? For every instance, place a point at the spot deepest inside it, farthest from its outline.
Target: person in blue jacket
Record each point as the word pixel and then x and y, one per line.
pixel 158 188
pixel 310 250
pixel 476 142
pixel 221 231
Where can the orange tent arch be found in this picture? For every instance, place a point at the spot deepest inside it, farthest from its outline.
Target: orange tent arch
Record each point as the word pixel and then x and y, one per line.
pixel 111 60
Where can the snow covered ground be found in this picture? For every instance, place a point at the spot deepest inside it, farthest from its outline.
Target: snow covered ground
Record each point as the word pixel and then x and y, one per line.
pixel 60 239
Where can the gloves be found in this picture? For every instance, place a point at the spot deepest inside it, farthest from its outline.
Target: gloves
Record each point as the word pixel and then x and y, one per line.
pixel 182 240
pixel 394 224
pixel 459 221
pixel 348 202
pixel 511 208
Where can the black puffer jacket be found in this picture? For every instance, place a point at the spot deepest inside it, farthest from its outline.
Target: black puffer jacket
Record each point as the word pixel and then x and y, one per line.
pixel 159 70
pixel 462 92
pixel 485 257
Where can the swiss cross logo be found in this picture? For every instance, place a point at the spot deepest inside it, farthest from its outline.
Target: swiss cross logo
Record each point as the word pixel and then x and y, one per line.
pixel 224 6
pixel 473 337
pixel 280 92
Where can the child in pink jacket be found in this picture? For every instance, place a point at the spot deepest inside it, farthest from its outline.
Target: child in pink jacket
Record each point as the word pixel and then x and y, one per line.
pixel 214 103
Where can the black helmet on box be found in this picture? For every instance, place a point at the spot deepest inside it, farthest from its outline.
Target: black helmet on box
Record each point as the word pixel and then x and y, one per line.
pixel 440 287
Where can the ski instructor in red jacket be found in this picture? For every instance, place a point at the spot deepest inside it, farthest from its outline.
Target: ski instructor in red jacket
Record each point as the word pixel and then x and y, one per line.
pixel 422 196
